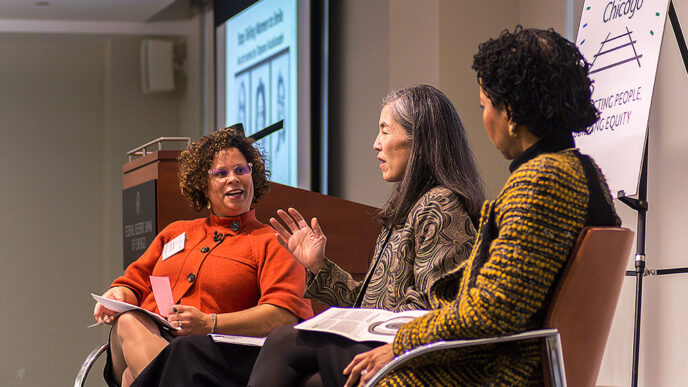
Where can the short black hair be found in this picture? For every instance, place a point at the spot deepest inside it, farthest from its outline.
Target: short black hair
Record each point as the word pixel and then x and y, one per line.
pixel 540 78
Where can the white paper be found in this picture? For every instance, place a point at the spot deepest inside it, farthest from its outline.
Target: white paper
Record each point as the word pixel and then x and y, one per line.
pixel 174 246
pixel 121 307
pixel 241 340
pixel 360 324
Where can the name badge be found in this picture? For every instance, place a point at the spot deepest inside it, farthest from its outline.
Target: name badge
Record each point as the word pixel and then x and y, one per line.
pixel 174 246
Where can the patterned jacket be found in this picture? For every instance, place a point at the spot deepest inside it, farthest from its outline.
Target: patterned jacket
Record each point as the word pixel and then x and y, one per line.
pixel 524 238
pixel 436 238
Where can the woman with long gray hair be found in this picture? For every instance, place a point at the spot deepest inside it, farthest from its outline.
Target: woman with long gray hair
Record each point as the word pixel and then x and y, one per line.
pixel 428 223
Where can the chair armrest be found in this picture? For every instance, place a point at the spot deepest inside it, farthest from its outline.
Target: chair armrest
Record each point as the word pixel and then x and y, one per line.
pixel 550 335
pixel 88 363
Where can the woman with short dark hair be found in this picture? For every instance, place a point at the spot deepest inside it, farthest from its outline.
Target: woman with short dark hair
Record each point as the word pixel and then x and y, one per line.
pixel 535 92
pixel 221 282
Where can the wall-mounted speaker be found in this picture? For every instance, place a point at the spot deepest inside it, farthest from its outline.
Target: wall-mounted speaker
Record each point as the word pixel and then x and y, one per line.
pixel 157 67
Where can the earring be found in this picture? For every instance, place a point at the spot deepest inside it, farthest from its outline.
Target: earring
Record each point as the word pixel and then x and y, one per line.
pixel 512 130
pixel 208 204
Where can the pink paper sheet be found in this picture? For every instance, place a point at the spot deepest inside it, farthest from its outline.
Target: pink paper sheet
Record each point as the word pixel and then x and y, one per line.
pixel 162 293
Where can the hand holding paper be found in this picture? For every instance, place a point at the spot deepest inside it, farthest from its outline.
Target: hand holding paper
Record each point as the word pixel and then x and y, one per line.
pixel 121 307
pixel 107 308
pixel 101 313
pixel 191 320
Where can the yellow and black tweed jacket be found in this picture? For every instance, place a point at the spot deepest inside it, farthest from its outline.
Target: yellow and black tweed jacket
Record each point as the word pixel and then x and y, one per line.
pixel 524 238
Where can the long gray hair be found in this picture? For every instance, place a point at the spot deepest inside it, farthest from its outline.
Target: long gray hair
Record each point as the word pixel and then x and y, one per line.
pixel 440 153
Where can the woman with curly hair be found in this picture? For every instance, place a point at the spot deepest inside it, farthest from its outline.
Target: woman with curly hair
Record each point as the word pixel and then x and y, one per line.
pixel 535 92
pixel 228 273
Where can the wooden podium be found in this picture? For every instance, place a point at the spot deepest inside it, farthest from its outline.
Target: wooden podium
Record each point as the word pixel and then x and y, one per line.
pixel 152 200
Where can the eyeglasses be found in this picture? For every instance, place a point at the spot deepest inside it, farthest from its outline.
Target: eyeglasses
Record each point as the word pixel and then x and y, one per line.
pixel 238 170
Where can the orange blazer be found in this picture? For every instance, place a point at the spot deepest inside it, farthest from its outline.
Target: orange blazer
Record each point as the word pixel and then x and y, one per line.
pixel 226 265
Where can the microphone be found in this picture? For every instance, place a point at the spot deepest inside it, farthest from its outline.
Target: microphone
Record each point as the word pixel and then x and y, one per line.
pixel 217 237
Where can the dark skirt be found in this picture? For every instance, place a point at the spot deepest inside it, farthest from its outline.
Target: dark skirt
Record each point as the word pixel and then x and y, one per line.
pixel 291 357
pixel 108 372
pixel 199 361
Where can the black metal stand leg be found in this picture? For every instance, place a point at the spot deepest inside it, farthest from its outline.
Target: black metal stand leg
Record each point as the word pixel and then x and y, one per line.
pixel 641 206
pixel 683 49
pixel 640 270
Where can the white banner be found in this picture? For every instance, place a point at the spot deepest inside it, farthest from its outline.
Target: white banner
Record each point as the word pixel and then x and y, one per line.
pixel 621 39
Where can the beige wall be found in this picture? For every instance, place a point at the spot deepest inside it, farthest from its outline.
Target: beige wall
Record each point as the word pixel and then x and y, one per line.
pixel 414 43
pixel 71 108
pixel 463 25
pixel 51 205
pixel 360 60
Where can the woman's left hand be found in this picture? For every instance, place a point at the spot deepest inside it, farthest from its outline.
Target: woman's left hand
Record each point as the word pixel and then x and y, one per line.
pixel 366 364
pixel 191 320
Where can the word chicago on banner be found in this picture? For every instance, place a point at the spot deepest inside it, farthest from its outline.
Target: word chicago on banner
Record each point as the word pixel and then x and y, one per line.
pixel 623 8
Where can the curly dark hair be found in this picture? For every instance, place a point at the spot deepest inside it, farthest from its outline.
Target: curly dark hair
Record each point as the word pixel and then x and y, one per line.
pixel 540 78
pixel 196 160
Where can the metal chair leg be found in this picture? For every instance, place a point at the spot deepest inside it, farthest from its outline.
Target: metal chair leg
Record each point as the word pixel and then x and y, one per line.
pixel 88 363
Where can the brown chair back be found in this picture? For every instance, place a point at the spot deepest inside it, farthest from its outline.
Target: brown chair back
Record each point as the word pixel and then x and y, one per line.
pixel 584 301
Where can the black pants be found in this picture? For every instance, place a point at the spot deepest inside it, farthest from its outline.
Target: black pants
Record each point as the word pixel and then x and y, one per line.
pixel 199 361
pixel 291 357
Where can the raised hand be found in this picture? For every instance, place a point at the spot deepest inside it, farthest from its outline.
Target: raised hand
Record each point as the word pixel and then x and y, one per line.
pixel 305 243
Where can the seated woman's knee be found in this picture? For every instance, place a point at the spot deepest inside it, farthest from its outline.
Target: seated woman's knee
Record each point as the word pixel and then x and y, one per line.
pixel 133 325
pixel 282 335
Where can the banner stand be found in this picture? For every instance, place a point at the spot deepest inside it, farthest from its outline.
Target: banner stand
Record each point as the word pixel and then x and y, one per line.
pixel 641 206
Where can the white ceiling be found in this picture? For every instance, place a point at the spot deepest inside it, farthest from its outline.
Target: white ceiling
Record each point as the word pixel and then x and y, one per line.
pixel 82 10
